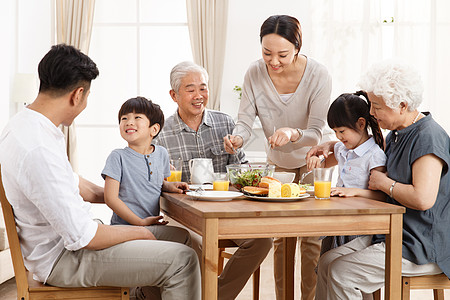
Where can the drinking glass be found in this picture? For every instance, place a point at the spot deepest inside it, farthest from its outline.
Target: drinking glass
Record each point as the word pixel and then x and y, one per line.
pixel 221 182
pixel 322 183
pixel 176 167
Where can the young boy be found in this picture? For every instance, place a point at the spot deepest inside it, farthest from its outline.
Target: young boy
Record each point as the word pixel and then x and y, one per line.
pixel 134 176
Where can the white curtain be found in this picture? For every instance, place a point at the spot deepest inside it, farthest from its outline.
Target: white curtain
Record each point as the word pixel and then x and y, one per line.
pixel 73 27
pixel 207 21
pixel 350 35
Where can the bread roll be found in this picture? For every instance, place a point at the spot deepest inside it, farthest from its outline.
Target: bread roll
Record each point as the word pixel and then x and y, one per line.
pixel 266 180
pixel 275 189
pixel 254 190
pixel 291 190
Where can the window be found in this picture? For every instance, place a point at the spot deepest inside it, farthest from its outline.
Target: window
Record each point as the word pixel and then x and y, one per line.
pixel 135 44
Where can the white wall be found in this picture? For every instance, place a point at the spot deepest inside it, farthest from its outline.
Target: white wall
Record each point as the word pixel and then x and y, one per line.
pixel 6 54
pixel 26 35
pixel 34 33
pixel 243 47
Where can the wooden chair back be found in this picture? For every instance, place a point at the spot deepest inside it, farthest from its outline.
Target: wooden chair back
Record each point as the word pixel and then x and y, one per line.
pixel 27 288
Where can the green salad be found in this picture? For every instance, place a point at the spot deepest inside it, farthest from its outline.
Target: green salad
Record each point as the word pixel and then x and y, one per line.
pixel 241 178
pixel 306 186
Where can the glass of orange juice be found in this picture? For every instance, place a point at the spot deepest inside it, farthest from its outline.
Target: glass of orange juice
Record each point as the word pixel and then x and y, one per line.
pixel 221 182
pixel 322 183
pixel 176 167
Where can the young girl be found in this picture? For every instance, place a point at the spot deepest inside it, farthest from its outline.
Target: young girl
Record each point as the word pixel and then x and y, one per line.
pixel 134 176
pixel 356 153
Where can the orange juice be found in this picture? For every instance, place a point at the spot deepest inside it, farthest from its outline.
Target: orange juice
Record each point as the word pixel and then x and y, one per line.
pixel 322 189
pixel 221 185
pixel 174 176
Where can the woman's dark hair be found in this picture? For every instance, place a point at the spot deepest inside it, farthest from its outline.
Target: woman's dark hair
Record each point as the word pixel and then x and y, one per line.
pixel 285 26
pixel 65 68
pixel 348 108
pixel 141 105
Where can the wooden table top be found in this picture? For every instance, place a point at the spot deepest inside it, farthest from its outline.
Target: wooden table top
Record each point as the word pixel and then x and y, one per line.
pixel 245 207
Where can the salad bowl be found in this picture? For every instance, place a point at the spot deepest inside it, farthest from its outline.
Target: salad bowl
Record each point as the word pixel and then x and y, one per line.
pixel 241 175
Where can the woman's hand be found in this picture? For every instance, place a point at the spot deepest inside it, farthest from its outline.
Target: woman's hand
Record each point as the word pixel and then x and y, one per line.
pixel 282 136
pixel 159 220
pixel 174 187
pixel 232 142
pixel 377 180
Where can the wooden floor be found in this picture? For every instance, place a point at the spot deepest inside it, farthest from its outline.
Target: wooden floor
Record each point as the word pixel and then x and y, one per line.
pixel 8 289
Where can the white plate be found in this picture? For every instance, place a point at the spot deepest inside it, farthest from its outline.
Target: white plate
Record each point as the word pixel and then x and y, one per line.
pixel 215 195
pixel 193 187
pixel 279 199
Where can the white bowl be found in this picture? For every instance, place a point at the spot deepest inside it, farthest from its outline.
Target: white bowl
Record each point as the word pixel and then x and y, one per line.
pixel 284 177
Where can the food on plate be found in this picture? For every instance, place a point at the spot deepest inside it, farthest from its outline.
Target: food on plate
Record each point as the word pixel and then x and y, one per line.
pixel 291 190
pixel 273 184
pixel 267 180
pixel 275 189
pixel 254 190
pixel 306 186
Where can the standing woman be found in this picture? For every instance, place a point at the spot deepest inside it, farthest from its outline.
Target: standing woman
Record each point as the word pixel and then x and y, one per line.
pixel 290 93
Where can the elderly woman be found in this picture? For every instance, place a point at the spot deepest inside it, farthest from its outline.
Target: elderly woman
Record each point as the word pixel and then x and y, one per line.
pixel 418 158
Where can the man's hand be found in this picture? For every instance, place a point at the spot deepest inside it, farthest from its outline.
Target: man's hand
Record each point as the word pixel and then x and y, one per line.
pixel 232 142
pixel 159 220
pixel 110 235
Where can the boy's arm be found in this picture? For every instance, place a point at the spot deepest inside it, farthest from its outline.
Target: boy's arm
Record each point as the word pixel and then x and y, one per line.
pixel 117 205
pixel 107 236
pixel 174 187
pixel 90 192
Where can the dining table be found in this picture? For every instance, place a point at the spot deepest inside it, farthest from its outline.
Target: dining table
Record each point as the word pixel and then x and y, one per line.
pixel 243 218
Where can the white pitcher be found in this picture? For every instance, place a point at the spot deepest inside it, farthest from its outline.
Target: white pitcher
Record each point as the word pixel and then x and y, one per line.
pixel 201 170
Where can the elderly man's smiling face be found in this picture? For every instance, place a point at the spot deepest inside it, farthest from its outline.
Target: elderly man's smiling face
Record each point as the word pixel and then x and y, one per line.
pixel 192 96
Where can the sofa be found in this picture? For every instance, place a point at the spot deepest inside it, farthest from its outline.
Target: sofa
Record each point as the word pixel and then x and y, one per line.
pixel 6 267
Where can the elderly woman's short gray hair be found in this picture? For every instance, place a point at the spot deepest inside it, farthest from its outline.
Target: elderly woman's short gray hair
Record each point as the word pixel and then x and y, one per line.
pixel 181 70
pixel 395 82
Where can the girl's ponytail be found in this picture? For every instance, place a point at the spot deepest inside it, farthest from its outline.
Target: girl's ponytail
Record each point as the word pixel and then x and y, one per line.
pixel 372 122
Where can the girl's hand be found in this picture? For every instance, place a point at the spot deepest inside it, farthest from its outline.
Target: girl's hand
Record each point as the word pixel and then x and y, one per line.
pixel 232 142
pixel 323 149
pixel 376 180
pixel 281 137
pixel 175 187
pixel 154 221
pixel 344 192
pixel 314 162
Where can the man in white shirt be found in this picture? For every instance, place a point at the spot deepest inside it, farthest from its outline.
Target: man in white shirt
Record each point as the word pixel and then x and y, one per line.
pixel 61 244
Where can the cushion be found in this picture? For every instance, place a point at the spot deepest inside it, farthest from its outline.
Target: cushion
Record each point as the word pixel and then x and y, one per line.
pixel 3 239
pixel 6 267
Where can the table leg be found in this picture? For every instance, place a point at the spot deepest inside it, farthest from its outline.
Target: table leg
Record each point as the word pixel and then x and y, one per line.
pixel 393 271
pixel 289 267
pixel 210 259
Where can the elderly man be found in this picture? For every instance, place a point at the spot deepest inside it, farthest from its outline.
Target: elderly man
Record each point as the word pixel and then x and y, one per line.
pixel 61 244
pixel 193 132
